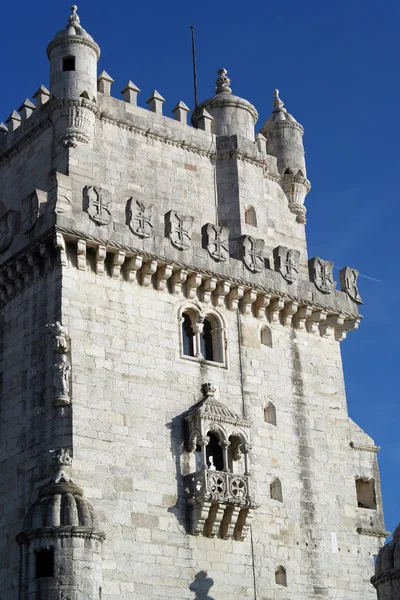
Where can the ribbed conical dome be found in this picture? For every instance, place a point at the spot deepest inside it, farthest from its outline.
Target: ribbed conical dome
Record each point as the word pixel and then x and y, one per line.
pixel 73 32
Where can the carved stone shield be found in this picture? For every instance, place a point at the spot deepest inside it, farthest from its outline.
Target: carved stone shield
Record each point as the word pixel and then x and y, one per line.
pixel 140 218
pixel 97 203
pixel 321 272
pixel 287 262
pixel 7 226
pixel 348 283
pixel 253 253
pixel 217 241
pixel 178 229
pixel 29 212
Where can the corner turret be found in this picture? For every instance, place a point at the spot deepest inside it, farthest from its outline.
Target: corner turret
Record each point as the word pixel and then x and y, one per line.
pixel 73 56
pixel 386 580
pixel 231 114
pixel 285 141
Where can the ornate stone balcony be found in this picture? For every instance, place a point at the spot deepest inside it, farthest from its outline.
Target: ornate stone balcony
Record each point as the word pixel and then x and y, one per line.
pixel 220 504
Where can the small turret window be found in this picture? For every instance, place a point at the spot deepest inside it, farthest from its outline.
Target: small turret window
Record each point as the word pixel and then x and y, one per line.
pixel 68 63
pixel 44 563
pixel 366 497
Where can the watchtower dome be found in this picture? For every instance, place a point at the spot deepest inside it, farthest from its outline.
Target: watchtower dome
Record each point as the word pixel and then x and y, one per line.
pixel 73 56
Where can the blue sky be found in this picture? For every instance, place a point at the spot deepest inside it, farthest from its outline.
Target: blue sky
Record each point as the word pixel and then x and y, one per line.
pixel 336 66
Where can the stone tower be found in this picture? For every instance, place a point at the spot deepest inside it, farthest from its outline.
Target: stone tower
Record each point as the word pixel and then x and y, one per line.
pixel 173 414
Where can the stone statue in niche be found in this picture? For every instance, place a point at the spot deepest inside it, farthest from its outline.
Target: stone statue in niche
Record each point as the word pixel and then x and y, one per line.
pixel 29 212
pixel 287 262
pixel 97 203
pixel 7 227
pixel 61 376
pixel 216 240
pixel 140 218
pixel 321 272
pixel 348 283
pixel 253 253
pixel 60 337
pixel 178 229
pixel 211 466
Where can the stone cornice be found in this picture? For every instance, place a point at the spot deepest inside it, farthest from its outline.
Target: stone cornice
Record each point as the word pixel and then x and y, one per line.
pixel 87 533
pixel 363 448
pixel 373 531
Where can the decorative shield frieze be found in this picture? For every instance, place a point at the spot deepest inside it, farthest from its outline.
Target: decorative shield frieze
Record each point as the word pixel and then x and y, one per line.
pixel 217 241
pixel 7 229
pixel 321 272
pixel 97 203
pixel 29 212
pixel 287 262
pixel 253 253
pixel 178 229
pixel 140 218
pixel 348 283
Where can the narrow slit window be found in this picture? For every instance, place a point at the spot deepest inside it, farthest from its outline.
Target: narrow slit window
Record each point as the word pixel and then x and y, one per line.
pixel 206 341
pixel 276 490
pixel 187 336
pixel 266 336
pixel 45 563
pixel 68 63
pixel 270 414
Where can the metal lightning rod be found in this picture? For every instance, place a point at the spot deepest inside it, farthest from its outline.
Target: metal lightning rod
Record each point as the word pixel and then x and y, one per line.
pixel 194 68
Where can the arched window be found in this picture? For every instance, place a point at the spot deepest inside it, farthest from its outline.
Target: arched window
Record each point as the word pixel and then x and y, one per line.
pixel 202 334
pixel 187 335
pixel 250 217
pixel 206 341
pixel 280 576
pixel 270 413
pixel 276 490
pixel 214 454
pixel 266 336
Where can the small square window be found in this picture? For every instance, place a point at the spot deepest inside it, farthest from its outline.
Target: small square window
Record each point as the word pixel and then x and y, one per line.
pixel 68 63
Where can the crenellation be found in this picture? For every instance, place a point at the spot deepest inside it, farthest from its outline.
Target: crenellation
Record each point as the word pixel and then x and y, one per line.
pixel 155 103
pixel 104 82
pixel 130 93
pixel 26 109
pixel 41 96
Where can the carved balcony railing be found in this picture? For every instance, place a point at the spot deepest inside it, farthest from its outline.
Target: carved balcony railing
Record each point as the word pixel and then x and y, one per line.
pixel 220 504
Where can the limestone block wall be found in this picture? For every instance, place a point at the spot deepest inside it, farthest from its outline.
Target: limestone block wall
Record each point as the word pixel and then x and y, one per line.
pixel 130 389
pixel 28 424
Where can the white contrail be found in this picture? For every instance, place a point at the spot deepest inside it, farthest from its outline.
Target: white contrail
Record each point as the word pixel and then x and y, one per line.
pixel 364 276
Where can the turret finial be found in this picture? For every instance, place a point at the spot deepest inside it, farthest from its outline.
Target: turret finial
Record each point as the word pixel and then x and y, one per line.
pixel 223 82
pixel 277 103
pixel 73 19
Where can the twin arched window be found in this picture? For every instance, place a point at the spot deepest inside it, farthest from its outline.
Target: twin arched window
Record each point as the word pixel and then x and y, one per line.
pixel 202 336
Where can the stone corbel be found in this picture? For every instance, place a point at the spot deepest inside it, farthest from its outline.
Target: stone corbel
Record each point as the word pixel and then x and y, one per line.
pixel 24 271
pixel 147 271
pixel 275 307
pixel 234 297
pixel 7 285
pixel 34 262
pixel 247 301
pixel 178 279
pixel 132 266
pixel 15 278
pixel 327 328
pixel 348 325
pixel 59 244
pixel 45 254
pixel 229 522
pixel 214 520
pixel 164 272
pixel 81 255
pixel 301 317
pixel 208 288
pixel 243 524
pixel 314 321
pixel 288 312
pixel 101 253
pixel 116 264
pixel 261 305
pixel 193 282
pixel 221 291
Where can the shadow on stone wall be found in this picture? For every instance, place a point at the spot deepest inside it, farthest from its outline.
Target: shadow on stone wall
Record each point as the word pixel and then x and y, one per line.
pixel 202 585
pixel 176 431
